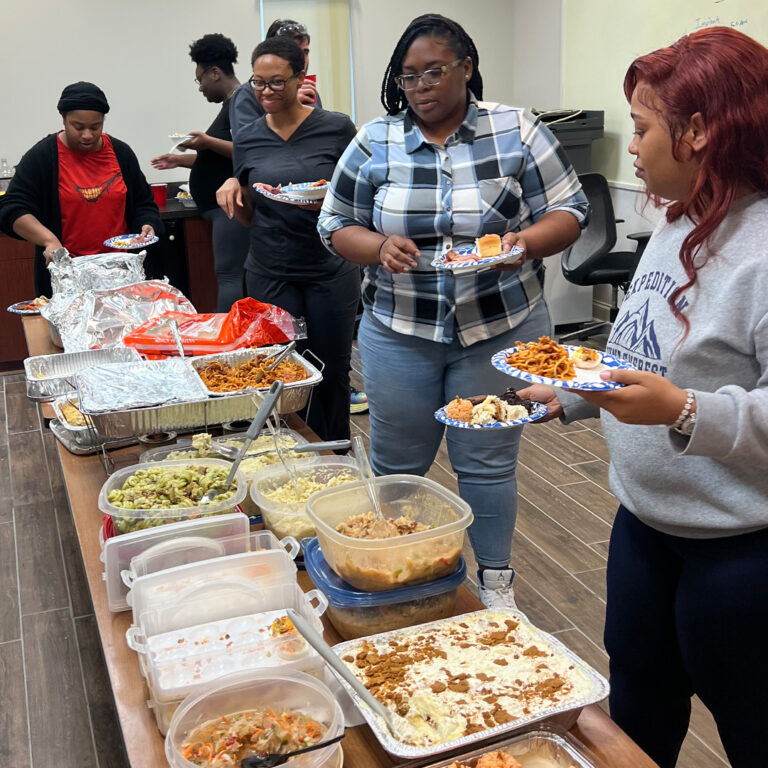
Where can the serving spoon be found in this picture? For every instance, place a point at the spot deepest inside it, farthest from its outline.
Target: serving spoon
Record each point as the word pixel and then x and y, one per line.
pixel 271 759
pixel 259 420
pixel 380 528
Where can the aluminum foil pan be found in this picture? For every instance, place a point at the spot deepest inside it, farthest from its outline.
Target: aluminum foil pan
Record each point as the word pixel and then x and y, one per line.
pixel 121 386
pixel 295 394
pixel 58 404
pixel 542 747
pixel 49 376
pixel 84 443
pixel 181 417
pixel 598 691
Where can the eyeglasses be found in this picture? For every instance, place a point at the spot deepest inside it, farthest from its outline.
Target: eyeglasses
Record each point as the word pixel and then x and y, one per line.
pixel 428 78
pixel 274 85
pixel 199 80
pixel 293 29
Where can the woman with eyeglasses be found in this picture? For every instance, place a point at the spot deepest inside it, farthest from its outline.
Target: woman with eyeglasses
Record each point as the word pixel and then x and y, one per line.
pixel 77 187
pixel 214 57
pixel 439 170
pixel 287 264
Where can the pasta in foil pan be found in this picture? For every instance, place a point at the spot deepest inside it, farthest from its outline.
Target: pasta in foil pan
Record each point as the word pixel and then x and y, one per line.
pixel 122 386
pixel 99 319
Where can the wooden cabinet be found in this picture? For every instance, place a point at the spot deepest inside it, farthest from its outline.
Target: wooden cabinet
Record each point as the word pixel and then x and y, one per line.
pixel 16 284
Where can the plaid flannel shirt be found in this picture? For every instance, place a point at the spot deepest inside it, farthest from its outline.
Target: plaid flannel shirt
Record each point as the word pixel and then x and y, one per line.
pixel 500 172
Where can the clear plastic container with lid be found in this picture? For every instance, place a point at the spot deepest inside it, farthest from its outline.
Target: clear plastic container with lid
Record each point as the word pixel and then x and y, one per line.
pixel 285 512
pixel 140 516
pixel 355 613
pixel 219 628
pixel 119 551
pixel 259 689
pixel 385 563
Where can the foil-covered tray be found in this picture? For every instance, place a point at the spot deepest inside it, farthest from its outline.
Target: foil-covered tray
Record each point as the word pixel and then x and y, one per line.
pixel 295 393
pixel 598 688
pixel 541 748
pixel 146 384
pixel 49 376
pixel 178 417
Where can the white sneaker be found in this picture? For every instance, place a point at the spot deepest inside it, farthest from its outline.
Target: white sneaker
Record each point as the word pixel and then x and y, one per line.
pixel 495 589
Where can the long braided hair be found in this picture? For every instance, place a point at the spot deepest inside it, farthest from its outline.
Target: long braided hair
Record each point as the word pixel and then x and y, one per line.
pixel 428 25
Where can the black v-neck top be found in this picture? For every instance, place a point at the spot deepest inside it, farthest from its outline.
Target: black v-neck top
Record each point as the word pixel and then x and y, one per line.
pixel 284 239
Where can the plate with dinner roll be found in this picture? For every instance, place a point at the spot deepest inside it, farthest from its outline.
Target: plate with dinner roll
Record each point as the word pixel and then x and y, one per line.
pixel 485 252
pixel 559 365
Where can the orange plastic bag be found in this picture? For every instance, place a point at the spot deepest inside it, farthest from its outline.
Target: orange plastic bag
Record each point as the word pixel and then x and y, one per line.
pixel 249 323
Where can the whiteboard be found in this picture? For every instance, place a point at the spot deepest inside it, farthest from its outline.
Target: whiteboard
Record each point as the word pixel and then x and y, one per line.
pixel 601 38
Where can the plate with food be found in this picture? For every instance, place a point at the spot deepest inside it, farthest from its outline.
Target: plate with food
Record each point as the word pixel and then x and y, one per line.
pixel 31 307
pixel 129 242
pixel 180 136
pixel 485 252
pixel 307 190
pixel 490 411
pixel 283 197
pixel 565 366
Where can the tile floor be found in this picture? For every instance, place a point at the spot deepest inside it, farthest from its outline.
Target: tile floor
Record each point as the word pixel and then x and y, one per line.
pixel 56 701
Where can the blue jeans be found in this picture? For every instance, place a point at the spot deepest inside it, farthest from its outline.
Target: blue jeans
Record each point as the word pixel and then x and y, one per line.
pixel 407 379
pixel 231 241
pixel 687 616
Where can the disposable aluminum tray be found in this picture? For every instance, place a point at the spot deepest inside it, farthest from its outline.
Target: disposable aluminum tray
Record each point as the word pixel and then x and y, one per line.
pixel 84 443
pixel 598 691
pixel 295 394
pixel 177 417
pixel 540 748
pixel 49 376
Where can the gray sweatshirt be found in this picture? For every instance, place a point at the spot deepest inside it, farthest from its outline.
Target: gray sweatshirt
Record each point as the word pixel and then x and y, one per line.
pixel 715 483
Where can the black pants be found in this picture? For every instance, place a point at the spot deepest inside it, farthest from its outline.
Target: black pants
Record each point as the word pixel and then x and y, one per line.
pixel 684 617
pixel 329 306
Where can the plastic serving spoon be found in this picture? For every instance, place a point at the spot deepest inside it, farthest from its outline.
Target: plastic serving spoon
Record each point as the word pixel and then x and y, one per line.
pixel 267 404
pixel 338 666
pixel 364 466
pixel 272 759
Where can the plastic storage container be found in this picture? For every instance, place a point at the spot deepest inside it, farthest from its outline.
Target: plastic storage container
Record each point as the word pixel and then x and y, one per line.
pixel 129 520
pixel 219 628
pixel 118 551
pixel 355 613
pixel 249 690
pixel 380 564
pixel 289 518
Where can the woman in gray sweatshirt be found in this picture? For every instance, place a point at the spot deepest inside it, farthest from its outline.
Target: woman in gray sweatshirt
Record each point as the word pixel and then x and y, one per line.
pixel 687 608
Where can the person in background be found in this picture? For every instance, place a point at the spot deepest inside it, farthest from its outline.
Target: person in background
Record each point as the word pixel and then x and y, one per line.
pixel 441 168
pixel 687 604
pixel 214 56
pixel 287 264
pixel 78 187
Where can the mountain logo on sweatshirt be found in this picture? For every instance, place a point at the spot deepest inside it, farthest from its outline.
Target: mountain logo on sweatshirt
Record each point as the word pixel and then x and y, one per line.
pixel 634 333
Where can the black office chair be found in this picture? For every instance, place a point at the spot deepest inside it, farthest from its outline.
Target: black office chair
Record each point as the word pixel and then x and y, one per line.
pixel 590 260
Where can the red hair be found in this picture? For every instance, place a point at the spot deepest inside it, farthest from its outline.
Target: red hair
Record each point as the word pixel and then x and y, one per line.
pixel 722 74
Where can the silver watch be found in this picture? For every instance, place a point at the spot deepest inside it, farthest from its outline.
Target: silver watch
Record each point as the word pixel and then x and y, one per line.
pixel 686 425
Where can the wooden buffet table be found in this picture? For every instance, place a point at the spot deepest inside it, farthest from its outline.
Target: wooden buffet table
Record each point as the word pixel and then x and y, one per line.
pixel 84 476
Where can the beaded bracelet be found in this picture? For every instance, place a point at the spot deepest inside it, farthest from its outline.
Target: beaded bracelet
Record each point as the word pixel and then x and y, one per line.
pixel 686 410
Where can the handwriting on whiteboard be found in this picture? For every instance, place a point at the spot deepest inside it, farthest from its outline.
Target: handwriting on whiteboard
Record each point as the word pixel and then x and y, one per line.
pixel 716 21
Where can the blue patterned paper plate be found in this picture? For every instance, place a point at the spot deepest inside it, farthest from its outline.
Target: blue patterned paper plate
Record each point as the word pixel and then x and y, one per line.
pixel 123 242
pixel 440 263
pixel 586 379
pixel 306 191
pixel 539 411
pixel 282 198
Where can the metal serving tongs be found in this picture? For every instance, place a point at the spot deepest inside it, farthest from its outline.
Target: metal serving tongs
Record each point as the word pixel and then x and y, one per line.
pixel 338 666
pixel 174 325
pixel 280 356
pixel 230 452
pixel 267 404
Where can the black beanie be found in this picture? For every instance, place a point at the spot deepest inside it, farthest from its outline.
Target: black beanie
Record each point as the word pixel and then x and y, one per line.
pixel 83 95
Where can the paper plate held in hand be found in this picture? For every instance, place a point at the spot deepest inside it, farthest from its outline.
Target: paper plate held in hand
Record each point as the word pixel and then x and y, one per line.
pixel 540 410
pixel 467 258
pixel 130 242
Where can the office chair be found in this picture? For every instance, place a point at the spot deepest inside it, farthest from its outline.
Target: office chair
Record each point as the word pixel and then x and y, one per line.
pixel 590 261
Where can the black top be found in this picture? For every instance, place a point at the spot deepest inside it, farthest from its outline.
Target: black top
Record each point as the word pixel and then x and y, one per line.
pixel 211 169
pixel 284 240
pixel 34 189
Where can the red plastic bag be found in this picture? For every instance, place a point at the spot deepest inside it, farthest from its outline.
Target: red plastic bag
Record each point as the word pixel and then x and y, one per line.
pixel 249 323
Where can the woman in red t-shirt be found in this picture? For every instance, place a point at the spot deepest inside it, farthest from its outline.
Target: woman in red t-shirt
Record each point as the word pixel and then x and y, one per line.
pixel 78 187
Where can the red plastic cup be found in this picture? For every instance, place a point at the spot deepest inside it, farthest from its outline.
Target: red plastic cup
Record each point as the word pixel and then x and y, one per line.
pixel 312 79
pixel 160 191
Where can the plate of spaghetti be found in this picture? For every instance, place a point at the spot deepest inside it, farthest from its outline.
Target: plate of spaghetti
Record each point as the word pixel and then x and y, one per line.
pixel 547 362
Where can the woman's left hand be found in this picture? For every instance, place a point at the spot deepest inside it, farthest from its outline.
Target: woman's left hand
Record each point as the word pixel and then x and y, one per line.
pixel 199 140
pixel 646 398
pixel 507 241
pixel 147 231
pixel 267 188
